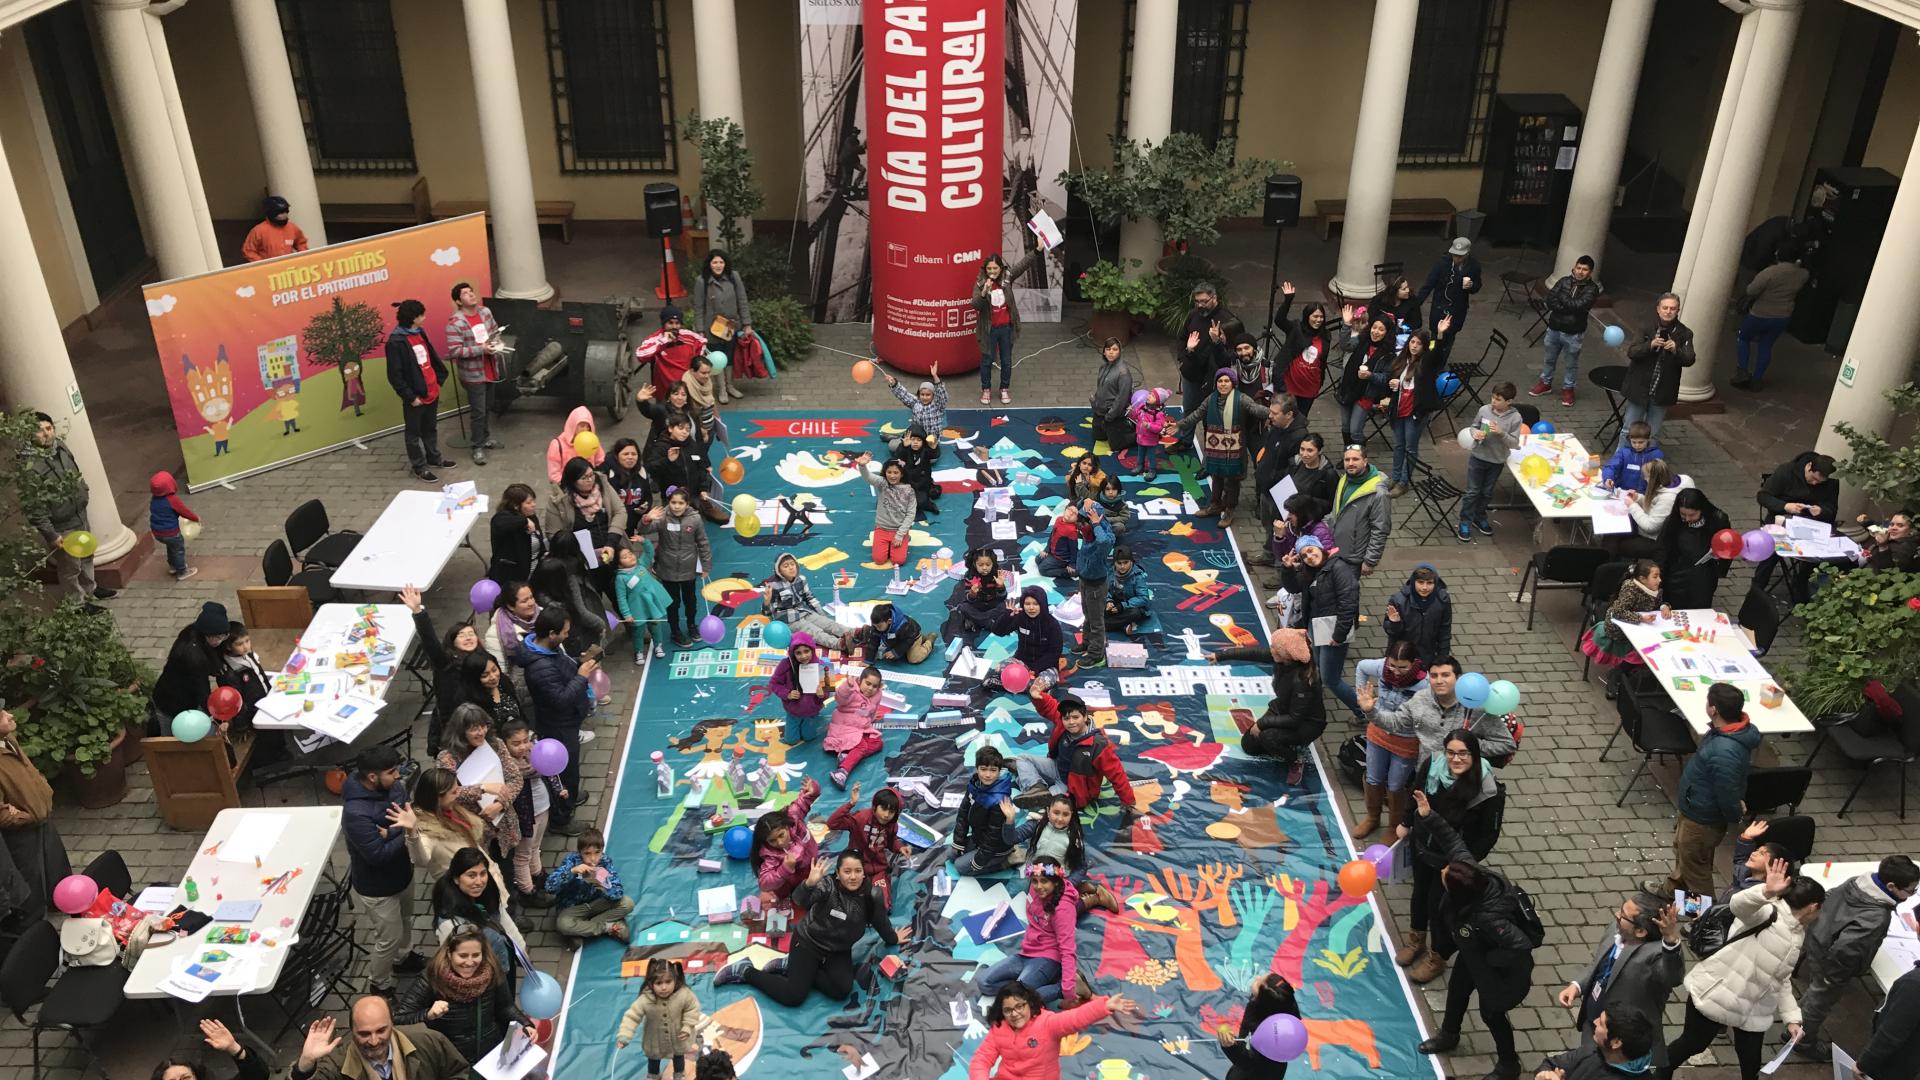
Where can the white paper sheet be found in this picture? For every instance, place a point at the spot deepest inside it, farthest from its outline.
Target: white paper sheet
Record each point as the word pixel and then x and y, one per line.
pixel 1321 630
pixel 1799 528
pixel 867 1067
pixel 1003 529
pixel 526 1055
pixel 253 838
pixel 158 899
pixel 483 766
pixel 1844 1067
pixel 344 718
pixel 1610 518
pixel 809 678
pixel 1780 1058
pixel 1045 230
pixel 1282 491
pixel 585 540
pixel 719 900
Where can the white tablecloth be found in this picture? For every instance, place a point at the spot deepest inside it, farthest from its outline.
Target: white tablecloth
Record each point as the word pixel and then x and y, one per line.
pixel 409 544
pixel 306 839
pixel 1569 461
pixel 325 637
pixel 1685 669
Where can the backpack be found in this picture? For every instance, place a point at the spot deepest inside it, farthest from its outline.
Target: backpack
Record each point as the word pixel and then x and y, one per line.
pixel 1527 916
pixel 88 942
pixel 1352 760
pixel 1708 935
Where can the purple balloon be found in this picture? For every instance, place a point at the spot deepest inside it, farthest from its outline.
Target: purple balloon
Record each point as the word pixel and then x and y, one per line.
pixel 1280 1037
pixel 483 594
pixel 1756 545
pixel 1139 398
pixel 549 757
pixel 712 629
pixel 612 619
pixel 1381 856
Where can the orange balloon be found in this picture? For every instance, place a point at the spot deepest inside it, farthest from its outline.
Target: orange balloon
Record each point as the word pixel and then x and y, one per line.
pixel 731 470
pixel 863 371
pixel 1358 878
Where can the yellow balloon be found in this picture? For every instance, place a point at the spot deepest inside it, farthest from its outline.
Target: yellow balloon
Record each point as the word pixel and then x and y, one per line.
pixel 79 543
pixel 1535 470
pixel 586 444
pixel 190 529
pixel 747 525
pixel 745 505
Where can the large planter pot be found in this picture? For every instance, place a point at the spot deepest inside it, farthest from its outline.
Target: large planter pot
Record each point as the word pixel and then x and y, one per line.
pixel 108 784
pixel 1115 324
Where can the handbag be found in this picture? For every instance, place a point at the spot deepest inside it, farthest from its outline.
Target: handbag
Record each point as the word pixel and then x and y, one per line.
pixel 722 328
pixel 88 942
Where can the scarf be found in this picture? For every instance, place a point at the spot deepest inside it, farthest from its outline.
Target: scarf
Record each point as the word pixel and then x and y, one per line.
pixel 462 988
pixel 1401 682
pixel 588 505
pixel 1633 599
pixel 1221 442
pixel 700 395
pixel 987 798
pixel 1349 487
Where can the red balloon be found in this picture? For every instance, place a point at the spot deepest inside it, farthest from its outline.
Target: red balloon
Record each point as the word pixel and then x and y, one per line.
pixel 1726 544
pixel 224 704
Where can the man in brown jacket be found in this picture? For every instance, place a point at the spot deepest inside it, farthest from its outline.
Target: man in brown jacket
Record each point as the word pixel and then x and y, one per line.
pixel 380 1051
pixel 32 857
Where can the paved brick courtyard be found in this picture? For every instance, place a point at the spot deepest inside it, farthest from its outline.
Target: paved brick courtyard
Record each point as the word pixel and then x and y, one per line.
pixel 1563 838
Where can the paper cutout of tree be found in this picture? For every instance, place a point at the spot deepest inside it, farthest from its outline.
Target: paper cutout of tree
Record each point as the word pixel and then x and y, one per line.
pixel 341 333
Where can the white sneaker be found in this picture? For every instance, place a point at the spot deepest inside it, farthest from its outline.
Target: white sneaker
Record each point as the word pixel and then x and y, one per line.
pixel 586 737
pixel 658 652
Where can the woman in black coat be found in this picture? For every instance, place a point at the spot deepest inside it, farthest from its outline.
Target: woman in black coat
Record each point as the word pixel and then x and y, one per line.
pixel 1689 571
pixel 1481 917
pixel 1456 807
pixel 194 660
pixel 1296 716
pixel 519 543
pixel 1272 996
pixel 463 995
pixel 444 655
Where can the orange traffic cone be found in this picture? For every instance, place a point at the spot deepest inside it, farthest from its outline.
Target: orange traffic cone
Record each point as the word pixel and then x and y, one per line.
pixel 669 287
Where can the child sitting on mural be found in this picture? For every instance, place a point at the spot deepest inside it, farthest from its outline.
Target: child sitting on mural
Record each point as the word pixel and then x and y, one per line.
pixel 1063 545
pixel 893 514
pixel 800 682
pixel 983 832
pixel 1085 478
pixel 788 599
pixel 1023 1038
pixel 1037 638
pixel 1056 835
pixel 874 835
pixel 1129 607
pixel 1295 716
pixel 854 733
pixel 590 899
pixel 980 597
pixel 1049 958
pixel 684 555
pixel 783 847
pixel 894 635
pixel 666 1014
pixel 1111 502
pixel 928 403
pixel 1077 760
pixel 918 451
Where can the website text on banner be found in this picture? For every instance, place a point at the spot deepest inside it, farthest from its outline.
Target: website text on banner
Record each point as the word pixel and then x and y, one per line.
pixel 270 362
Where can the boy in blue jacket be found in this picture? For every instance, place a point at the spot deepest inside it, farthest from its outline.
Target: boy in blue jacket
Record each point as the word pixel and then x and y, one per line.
pixel 1623 471
pixel 1129 607
pixel 1096 548
pixel 592 902
pixel 163 516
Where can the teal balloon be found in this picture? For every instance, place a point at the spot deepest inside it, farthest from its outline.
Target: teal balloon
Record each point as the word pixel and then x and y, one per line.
pixel 192 725
pixel 1502 697
pixel 1614 336
pixel 718 359
pixel 776 636
pixel 1472 690
pixel 540 996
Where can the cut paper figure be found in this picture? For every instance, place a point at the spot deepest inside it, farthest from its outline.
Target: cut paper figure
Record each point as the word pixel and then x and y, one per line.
pixel 212 390
pixel 353 387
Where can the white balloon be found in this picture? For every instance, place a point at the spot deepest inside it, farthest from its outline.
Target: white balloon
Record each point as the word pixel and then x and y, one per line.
pixel 1466 438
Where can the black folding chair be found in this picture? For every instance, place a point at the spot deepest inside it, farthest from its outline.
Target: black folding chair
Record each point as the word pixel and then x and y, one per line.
pixel 109 871
pixel 277 567
pixel 1516 287
pixel 1474 375
pixel 1600 593
pixel 77 1001
pixel 1563 566
pixel 1866 743
pixel 1759 620
pixel 1777 786
pixel 1795 833
pixel 1653 732
pixel 1437 496
pixel 1538 328
pixel 309 536
pixel 1610 378
pixel 320 963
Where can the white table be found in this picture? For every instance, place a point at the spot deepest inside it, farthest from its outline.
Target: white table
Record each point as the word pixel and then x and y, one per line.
pixel 306 841
pixel 326 635
pixel 409 544
pixel 1897 954
pixel 1673 660
pixel 1566 494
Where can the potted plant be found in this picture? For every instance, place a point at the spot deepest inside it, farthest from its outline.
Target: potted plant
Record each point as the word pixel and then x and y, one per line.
pixel 1863 625
pixel 81 694
pixel 1887 474
pixel 1119 301
pixel 1182 184
pixel 726 176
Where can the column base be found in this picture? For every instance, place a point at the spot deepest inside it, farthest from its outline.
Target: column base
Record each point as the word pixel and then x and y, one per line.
pixel 538 295
pixel 111 546
pixel 1696 394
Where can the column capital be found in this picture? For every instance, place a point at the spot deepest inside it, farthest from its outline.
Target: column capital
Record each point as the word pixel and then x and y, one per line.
pixel 1777 5
pixel 121 5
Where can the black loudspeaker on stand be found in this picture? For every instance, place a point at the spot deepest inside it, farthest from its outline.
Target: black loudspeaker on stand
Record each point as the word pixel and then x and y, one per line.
pixel 1282 210
pixel 662 204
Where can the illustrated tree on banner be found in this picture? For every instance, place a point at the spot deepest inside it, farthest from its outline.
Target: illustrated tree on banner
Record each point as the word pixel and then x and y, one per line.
pixel 1308 906
pixel 338 338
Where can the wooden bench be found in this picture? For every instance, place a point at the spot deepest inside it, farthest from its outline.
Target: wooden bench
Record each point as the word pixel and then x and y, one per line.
pixel 415 212
pixel 193 782
pixel 555 212
pixel 1417 211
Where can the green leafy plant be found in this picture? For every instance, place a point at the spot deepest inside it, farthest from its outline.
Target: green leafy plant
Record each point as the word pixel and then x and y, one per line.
pixel 1182 184
pixel 342 333
pixel 1174 296
pixel 1864 625
pixel 726 175
pixel 785 326
pixel 1107 287
pixel 764 269
pixel 1883 472
pixel 69 679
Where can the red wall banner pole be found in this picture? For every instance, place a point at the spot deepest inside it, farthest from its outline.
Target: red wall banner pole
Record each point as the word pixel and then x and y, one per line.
pixel 935 93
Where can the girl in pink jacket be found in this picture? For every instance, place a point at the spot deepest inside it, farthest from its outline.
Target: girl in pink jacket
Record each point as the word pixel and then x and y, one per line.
pixel 854 731
pixel 1048 960
pixel 784 848
pixel 1149 420
pixel 1024 1038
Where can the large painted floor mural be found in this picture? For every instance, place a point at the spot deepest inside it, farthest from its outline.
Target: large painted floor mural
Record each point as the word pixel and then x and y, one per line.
pixel 1231 873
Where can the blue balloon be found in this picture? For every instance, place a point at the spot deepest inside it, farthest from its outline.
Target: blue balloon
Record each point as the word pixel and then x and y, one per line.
pixel 192 725
pixel 738 841
pixel 777 635
pixel 1614 336
pixel 1543 427
pixel 718 359
pixel 1472 690
pixel 540 995
pixel 1448 383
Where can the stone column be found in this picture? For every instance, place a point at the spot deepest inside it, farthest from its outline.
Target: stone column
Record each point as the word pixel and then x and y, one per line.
pixel 1733 192
pixel 147 136
pixel 276 113
pixel 1880 353
pixel 183 140
pixel 716 64
pixel 1716 149
pixel 1376 146
pixel 1603 139
pixel 1156 30
pixel 503 150
pixel 35 372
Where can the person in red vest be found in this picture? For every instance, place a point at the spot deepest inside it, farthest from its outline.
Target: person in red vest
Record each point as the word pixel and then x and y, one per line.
pixel 277 235
pixel 671 350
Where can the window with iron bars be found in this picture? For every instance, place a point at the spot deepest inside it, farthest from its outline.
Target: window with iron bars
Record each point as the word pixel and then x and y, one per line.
pixel 1452 82
pixel 612 85
pixel 1210 57
pixel 346 75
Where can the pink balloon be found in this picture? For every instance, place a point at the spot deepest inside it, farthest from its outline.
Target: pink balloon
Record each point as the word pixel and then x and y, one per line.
pixel 1015 676
pixel 75 893
pixel 602 686
pixel 549 757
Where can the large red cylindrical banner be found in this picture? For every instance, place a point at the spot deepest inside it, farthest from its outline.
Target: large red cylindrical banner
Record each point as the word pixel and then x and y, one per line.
pixel 935 109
